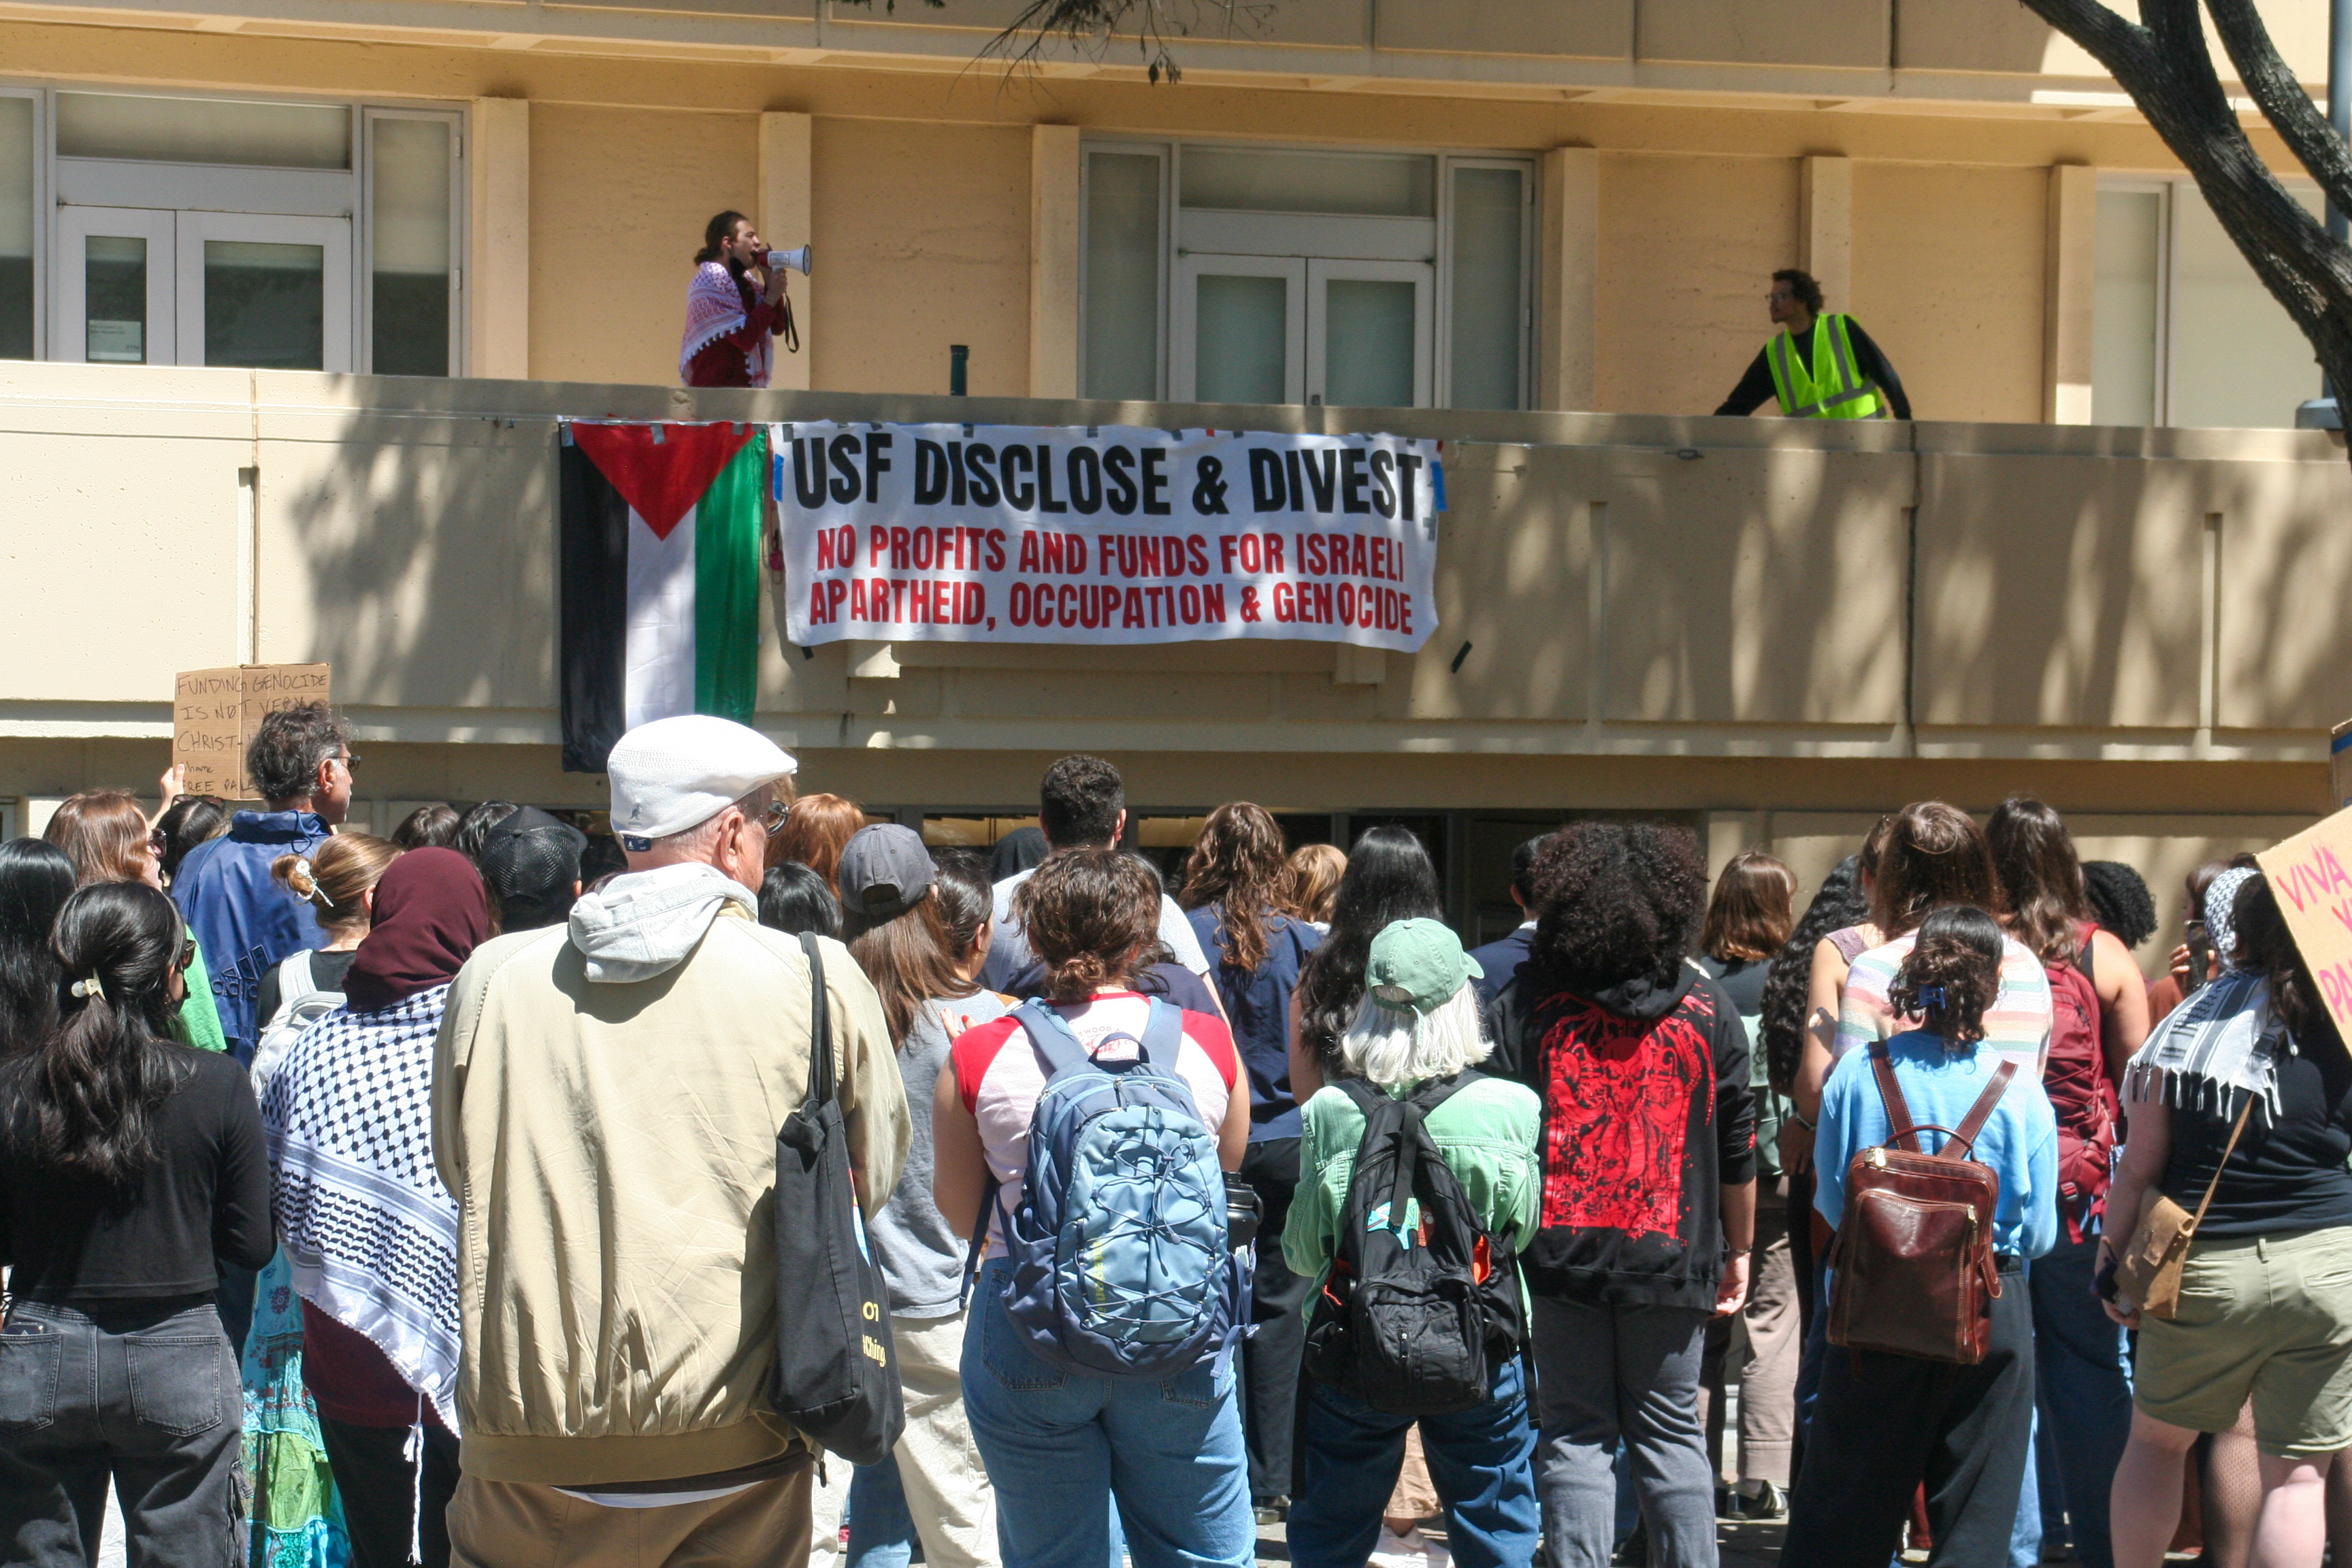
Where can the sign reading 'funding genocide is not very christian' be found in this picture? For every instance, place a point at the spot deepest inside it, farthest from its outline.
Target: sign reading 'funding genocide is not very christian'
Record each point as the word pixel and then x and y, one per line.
pixel 215 714
pixel 1014 534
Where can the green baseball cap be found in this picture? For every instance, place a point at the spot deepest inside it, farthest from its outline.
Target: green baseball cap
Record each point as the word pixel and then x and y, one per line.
pixel 1417 966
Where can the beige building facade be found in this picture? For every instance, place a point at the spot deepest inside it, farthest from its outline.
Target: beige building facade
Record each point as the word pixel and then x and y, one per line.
pixel 302 286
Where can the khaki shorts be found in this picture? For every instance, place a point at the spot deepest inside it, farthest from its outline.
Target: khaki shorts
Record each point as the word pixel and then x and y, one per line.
pixel 2266 1316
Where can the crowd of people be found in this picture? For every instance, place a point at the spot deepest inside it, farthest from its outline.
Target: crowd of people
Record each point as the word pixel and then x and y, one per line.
pixel 418 1198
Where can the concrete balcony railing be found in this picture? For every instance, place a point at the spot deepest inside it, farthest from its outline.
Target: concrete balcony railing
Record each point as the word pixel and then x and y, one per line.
pixel 1624 585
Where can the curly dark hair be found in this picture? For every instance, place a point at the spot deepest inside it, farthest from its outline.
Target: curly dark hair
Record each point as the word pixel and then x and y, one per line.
pixel 1806 288
pixel 2266 946
pixel 1093 915
pixel 1079 802
pixel 2120 899
pixel 1951 975
pixel 1616 901
pixel 1838 904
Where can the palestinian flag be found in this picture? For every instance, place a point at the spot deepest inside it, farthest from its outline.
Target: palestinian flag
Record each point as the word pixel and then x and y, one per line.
pixel 658 577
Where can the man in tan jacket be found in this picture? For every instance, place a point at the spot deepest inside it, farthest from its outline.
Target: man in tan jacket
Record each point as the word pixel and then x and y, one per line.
pixel 606 1096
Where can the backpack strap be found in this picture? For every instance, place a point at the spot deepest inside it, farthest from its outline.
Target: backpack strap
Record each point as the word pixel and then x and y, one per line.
pixel 1901 1133
pixel 1050 1035
pixel 1965 1134
pixel 1163 1034
pixel 297 981
pixel 1848 941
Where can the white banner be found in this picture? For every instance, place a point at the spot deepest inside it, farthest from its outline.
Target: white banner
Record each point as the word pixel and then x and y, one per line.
pixel 1016 534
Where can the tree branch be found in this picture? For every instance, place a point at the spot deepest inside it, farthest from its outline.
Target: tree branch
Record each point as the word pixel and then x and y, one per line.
pixel 2282 98
pixel 2120 45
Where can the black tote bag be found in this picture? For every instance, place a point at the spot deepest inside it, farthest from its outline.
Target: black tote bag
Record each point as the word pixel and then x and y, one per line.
pixel 836 1368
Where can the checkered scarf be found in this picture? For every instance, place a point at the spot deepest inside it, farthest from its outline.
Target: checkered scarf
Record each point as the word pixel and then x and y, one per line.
pixel 367 1226
pixel 714 307
pixel 2224 1041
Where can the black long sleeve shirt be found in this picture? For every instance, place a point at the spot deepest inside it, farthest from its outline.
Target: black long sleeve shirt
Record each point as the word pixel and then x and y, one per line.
pixel 206 1196
pixel 1756 388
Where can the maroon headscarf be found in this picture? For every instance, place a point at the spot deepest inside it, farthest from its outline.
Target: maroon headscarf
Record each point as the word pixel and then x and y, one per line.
pixel 430 915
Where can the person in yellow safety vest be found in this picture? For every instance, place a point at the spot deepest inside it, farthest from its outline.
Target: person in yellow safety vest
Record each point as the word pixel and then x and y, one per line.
pixel 1820 365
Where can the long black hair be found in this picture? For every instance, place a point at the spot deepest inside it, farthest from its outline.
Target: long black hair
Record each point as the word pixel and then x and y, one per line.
pixel 1836 906
pixel 1390 878
pixel 92 1089
pixel 716 233
pixel 35 880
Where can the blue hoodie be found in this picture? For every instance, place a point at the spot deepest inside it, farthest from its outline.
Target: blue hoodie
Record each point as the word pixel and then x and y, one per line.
pixel 245 921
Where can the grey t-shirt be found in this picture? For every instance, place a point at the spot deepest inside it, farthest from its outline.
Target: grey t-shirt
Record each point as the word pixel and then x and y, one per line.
pixel 921 1255
pixel 1009 951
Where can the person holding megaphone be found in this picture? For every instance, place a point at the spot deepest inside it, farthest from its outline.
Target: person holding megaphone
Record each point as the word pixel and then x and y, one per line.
pixel 735 304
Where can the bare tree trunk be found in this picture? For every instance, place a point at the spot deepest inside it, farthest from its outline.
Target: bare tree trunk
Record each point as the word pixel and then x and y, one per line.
pixel 2164 63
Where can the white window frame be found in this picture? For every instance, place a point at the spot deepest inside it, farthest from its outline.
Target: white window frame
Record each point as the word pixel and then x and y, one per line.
pixel 44 207
pixel 2168 188
pixel 1443 366
pixel 1171 154
pixel 1165 153
pixel 362 173
pixel 369 115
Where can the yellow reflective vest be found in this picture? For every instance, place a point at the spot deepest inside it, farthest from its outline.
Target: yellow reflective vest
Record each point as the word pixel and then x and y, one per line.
pixel 1829 389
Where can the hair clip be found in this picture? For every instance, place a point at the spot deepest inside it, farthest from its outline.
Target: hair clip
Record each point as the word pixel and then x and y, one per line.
pixel 89 987
pixel 304 881
pixel 1931 996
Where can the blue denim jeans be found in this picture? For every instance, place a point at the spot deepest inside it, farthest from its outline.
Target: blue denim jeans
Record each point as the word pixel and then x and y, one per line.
pixel 1060 1446
pixel 2085 1388
pixel 1481 1460
pixel 881 1529
pixel 143 1395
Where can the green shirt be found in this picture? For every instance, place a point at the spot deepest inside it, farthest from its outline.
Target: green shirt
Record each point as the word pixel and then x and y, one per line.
pixel 1487 1132
pixel 198 1023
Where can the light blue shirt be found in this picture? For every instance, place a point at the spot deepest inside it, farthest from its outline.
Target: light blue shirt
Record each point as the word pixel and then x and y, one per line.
pixel 2020 1140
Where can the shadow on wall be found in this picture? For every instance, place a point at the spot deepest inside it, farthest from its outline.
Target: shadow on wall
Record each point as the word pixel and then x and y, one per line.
pixel 1635 571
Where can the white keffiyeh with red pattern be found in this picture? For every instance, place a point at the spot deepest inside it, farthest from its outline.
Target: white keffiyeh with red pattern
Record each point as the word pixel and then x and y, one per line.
pixel 714 307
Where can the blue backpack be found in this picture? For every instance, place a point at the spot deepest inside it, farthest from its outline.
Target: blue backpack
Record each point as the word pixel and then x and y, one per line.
pixel 1121 1261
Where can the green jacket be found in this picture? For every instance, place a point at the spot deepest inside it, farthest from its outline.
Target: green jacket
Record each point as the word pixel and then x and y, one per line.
pixel 1487 1133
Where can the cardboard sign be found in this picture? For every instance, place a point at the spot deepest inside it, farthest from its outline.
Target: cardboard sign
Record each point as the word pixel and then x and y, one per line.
pixel 2312 874
pixel 214 713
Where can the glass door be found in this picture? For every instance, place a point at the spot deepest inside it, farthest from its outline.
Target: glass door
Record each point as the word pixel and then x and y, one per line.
pixel 1368 333
pixel 1241 329
pixel 265 294
pixel 115 286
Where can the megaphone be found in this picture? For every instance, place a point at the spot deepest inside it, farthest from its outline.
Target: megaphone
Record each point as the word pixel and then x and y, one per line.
pixel 798 260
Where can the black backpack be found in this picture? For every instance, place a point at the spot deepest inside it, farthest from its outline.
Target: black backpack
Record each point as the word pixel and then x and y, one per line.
pixel 1413 1325
pixel 836 1365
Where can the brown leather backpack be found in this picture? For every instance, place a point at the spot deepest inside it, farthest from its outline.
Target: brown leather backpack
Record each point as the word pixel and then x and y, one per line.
pixel 1913 1261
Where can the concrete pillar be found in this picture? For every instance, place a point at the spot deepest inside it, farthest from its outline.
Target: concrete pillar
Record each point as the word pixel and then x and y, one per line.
pixel 1568 215
pixel 1729 832
pixel 787 218
pixel 1825 235
pixel 2070 282
pixel 1052 262
pixel 498 269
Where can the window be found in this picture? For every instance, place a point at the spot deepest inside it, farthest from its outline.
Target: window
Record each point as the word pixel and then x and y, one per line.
pixel 1225 274
pixel 20 211
pixel 2183 333
pixel 170 229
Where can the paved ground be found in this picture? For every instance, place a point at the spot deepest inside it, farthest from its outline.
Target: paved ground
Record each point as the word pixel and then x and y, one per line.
pixel 1743 1545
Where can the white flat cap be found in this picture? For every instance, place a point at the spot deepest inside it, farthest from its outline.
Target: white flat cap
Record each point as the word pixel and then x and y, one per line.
pixel 674 773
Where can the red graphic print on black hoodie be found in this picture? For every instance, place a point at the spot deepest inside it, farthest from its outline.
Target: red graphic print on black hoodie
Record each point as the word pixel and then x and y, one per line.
pixel 1647 1115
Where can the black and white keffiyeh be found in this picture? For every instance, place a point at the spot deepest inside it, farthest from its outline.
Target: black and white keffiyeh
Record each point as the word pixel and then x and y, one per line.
pixel 367 1226
pixel 2224 1041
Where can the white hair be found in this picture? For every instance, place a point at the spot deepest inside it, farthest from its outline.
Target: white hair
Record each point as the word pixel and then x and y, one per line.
pixel 1393 1047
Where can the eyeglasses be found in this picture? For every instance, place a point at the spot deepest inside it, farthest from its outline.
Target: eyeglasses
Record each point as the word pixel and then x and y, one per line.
pixel 349 761
pixel 188 954
pixel 772 821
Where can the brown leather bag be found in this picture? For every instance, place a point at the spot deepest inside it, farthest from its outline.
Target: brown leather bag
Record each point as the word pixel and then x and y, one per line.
pixel 1915 1272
